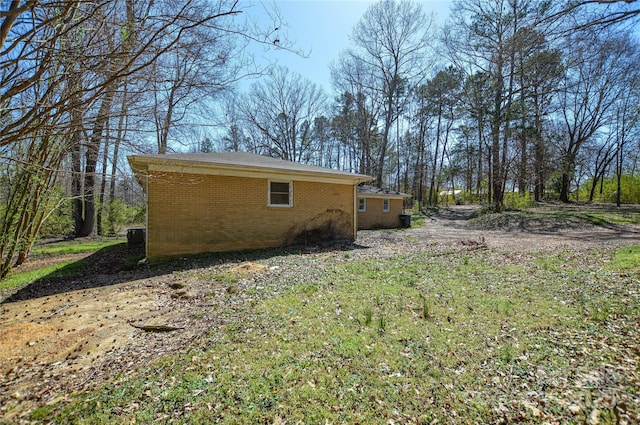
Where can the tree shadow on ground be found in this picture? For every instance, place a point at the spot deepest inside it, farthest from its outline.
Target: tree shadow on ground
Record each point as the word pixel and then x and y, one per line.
pixel 121 263
pixel 457 213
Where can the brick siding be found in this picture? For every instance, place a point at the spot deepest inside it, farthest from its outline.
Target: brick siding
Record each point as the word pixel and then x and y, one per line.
pixel 190 214
pixel 375 218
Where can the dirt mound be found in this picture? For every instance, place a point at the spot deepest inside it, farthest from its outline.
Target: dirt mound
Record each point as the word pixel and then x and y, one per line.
pixel 528 222
pixel 248 268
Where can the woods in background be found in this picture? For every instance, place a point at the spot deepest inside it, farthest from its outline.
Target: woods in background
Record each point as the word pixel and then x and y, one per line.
pixel 84 82
pixel 510 98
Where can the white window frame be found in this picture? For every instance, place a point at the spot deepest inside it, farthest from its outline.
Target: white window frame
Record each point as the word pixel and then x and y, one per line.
pixel 386 205
pixel 364 204
pixel 290 204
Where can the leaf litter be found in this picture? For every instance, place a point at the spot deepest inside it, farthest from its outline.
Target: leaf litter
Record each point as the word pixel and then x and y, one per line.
pixel 74 341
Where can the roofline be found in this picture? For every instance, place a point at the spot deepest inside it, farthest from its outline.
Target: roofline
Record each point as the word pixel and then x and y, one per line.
pixel 383 195
pixel 143 165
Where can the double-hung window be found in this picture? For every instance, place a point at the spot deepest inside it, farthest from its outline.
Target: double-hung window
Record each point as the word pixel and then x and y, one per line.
pixel 362 204
pixel 385 205
pixel 280 194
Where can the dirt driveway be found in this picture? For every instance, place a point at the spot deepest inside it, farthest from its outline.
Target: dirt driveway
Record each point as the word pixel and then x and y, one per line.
pixel 514 232
pixel 67 335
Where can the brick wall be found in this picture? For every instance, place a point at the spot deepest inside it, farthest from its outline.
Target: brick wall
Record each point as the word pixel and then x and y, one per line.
pixel 199 213
pixel 375 218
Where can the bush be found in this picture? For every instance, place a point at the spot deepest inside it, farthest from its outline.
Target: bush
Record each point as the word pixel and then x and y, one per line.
pixel 518 201
pixel 630 190
pixel 59 223
pixel 118 214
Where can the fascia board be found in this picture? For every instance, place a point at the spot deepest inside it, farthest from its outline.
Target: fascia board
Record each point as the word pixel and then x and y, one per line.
pixel 381 196
pixel 250 172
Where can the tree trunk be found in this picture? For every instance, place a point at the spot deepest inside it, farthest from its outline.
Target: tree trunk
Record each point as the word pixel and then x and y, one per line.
pixel 103 185
pixel 523 174
pixel 76 169
pixel 480 175
pixel 383 148
pixel 566 186
pixel 85 225
pixel 539 166
pixel 114 161
pixel 619 158
pixel 163 130
pixel 496 172
pixel 433 198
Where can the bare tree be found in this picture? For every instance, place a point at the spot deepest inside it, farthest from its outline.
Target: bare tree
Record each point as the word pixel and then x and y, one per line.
pixel 592 83
pixel 358 113
pixel 496 39
pixel 33 143
pixel 203 63
pixel 282 110
pixel 441 95
pixel 105 43
pixel 627 125
pixel 31 170
pixel 597 13
pixel 390 43
pixel 63 69
pixel 483 45
pixel 541 73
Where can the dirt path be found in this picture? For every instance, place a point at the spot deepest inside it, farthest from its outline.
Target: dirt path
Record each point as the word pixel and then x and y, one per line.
pixel 525 234
pixel 61 336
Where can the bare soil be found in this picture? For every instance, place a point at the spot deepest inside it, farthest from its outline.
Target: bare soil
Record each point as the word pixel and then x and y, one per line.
pixel 60 336
pixel 513 232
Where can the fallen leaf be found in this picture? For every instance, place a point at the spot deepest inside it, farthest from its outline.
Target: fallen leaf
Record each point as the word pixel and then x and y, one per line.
pixel 534 410
pixel 575 409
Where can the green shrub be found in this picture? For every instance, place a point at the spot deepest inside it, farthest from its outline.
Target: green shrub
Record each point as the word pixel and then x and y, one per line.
pixel 59 223
pixel 606 191
pixel 118 215
pixel 518 201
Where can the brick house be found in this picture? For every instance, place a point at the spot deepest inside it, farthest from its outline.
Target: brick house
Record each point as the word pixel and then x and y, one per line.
pixel 236 200
pixel 379 208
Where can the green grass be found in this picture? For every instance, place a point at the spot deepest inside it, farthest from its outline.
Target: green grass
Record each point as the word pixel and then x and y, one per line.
pixel 610 218
pixel 627 258
pixel 458 338
pixel 17 280
pixel 540 219
pixel 417 220
pixel 74 247
pixel 59 270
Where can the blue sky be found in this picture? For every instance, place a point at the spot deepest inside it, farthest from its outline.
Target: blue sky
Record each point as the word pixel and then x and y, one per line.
pixel 321 28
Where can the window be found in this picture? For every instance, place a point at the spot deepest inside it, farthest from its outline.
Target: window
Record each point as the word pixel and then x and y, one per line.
pixel 385 205
pixel 280 194
pixel 362 204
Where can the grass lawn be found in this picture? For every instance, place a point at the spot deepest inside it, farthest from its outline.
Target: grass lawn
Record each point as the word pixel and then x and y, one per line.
pixel 60 268
pixel 552 217
pixel 464 337
pixel 74 247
